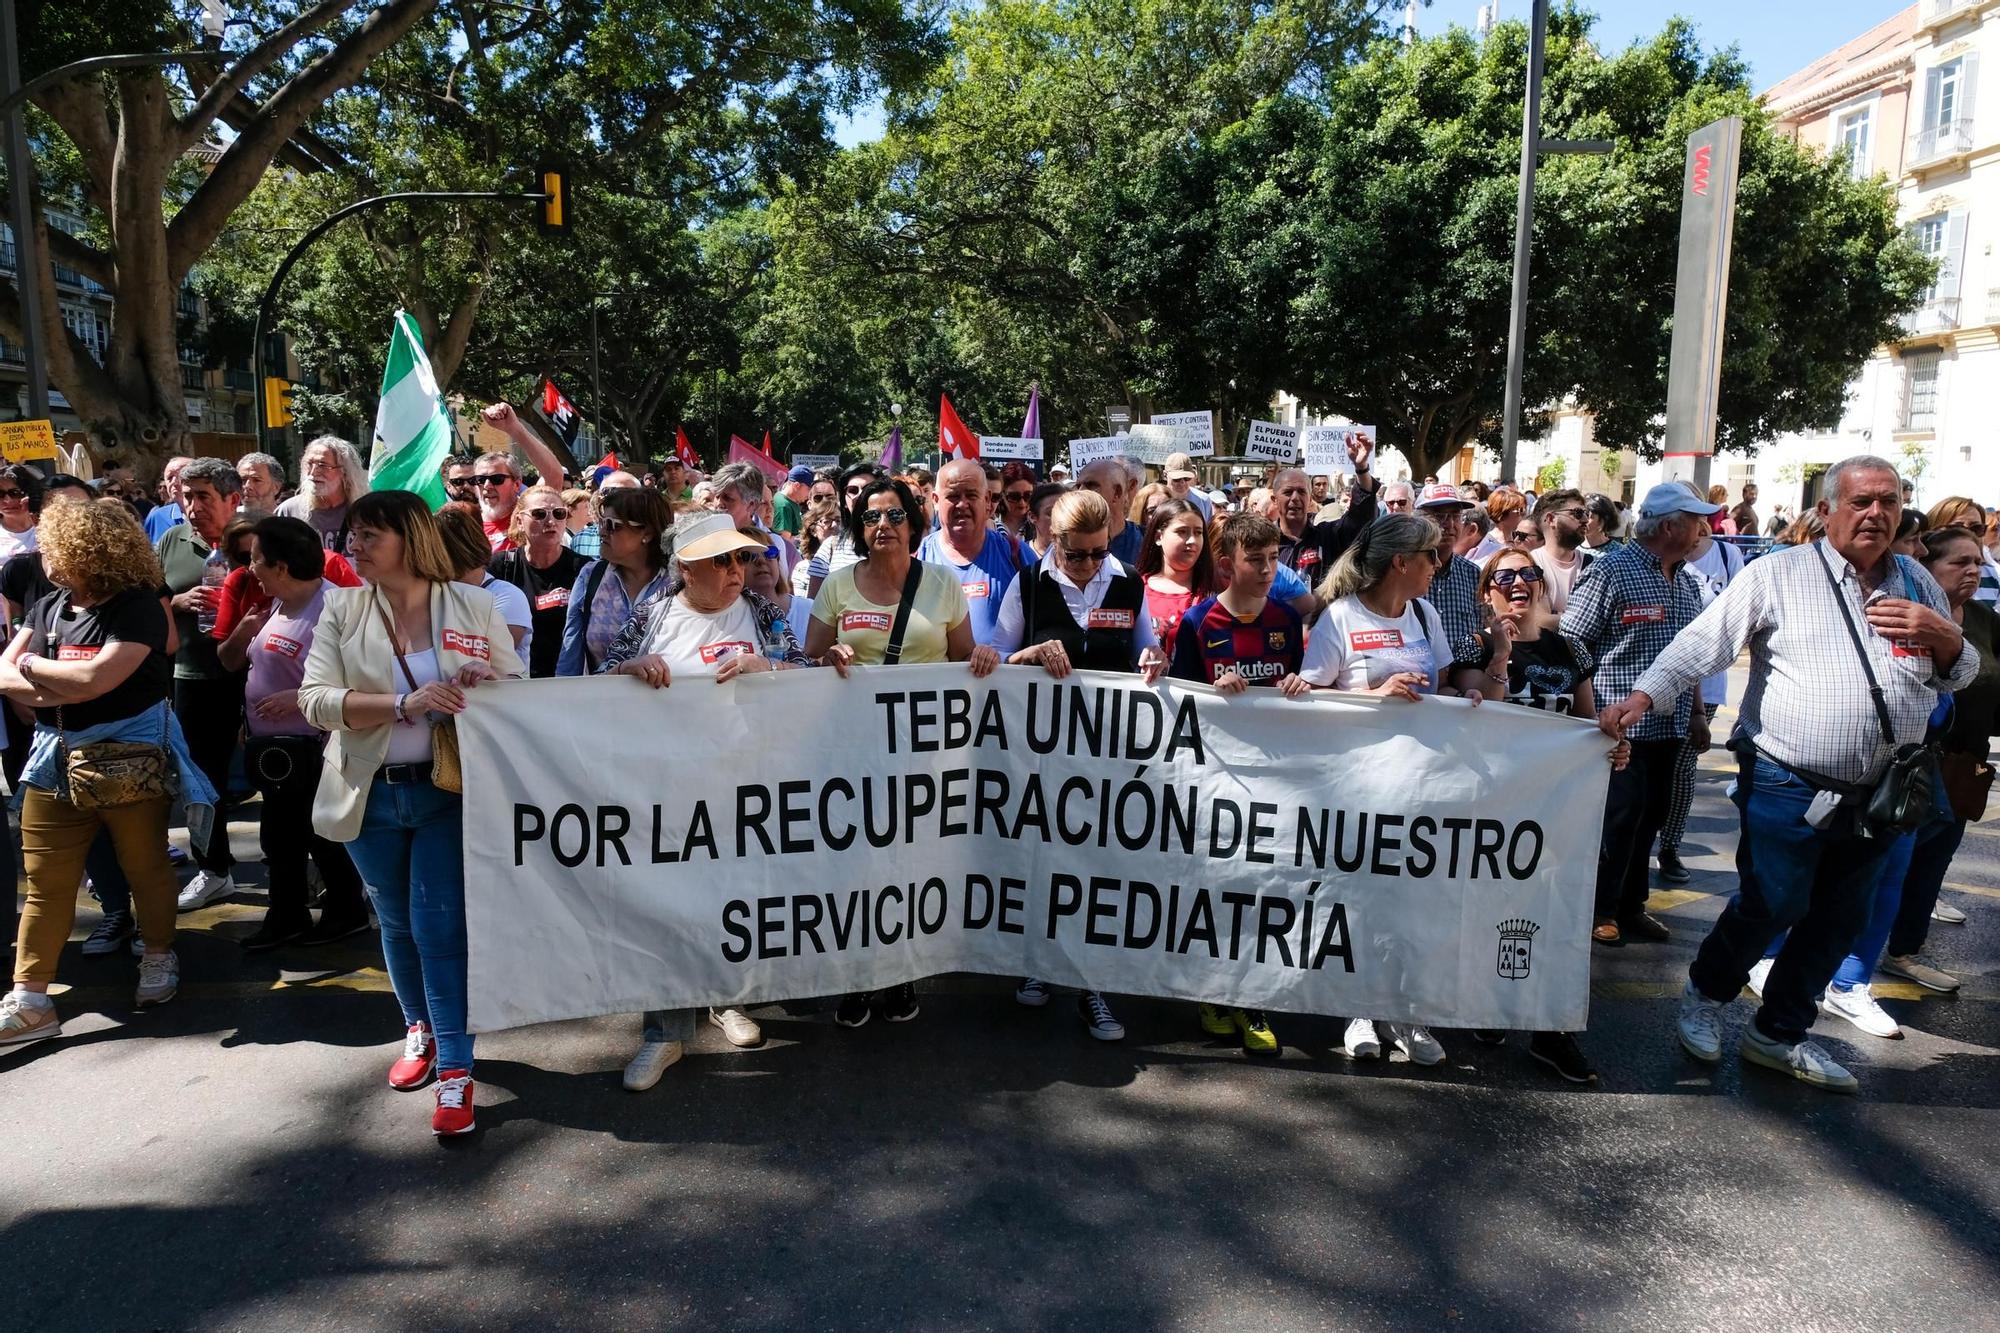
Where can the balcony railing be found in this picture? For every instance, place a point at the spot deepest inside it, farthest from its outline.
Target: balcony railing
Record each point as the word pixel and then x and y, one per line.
pixel 1936 142
pixel 193 377
pixel 1937 11
pixel 238 379
pixel 1935 316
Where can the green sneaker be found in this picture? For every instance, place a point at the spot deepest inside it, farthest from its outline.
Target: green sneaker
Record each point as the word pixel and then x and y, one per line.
pixel 1216 1022
pixel 1258 1039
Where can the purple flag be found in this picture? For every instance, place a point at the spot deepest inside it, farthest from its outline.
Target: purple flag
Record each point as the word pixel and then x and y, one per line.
pixel 892 452
pixel 1031 425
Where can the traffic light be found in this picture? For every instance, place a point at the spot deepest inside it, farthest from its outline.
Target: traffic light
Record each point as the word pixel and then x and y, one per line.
pixel 277 402
pixel 555 201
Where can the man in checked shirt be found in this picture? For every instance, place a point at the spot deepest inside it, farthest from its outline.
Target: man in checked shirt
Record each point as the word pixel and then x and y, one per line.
pixel 1808 732
pixel 1623 612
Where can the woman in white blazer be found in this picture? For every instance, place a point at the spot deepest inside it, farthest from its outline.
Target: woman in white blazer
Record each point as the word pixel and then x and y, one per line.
pixel 388 662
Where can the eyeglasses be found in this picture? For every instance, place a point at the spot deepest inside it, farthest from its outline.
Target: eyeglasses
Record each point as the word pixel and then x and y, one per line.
pixel 548 515
pixel 1523 536
pixel 319 465
pixel 11 494
pixel 856 489
pixel 1072 556
pixel 1507 578
pixel 1019 497
pixel 742 558
pixel 611 527
pixel 492 479
pixel 1397 506
pixel 872 517
pixel 1580 515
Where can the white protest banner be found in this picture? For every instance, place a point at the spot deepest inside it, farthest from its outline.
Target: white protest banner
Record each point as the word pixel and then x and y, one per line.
pixel 1272 443
pixel 1003 447
pixel 817 462
pixel 1338 854
pixel 1153 443
pixel 1195 429
pixel 1325 450
pixel 1088 449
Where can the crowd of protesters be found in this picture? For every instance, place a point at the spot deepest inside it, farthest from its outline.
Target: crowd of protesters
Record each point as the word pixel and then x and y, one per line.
pixel 312 645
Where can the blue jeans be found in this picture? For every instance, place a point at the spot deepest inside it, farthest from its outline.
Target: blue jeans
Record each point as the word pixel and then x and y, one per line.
pixel 1790 877
pixel 1858 968
pixel 410 852
pixel 669 1024
pixel 1937 843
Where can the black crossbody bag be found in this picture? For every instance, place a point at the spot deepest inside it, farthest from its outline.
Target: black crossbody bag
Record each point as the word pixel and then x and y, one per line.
pixel 893 653
pixel 1905 795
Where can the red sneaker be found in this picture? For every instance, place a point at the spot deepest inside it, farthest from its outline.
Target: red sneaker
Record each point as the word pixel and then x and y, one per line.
pixel 419 1060
pixel 454 1103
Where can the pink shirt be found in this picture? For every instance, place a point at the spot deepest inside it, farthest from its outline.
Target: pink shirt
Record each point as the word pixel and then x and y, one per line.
pixel 278 662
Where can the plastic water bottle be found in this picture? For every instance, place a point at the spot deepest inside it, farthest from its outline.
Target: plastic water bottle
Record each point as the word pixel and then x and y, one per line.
pixel 213 571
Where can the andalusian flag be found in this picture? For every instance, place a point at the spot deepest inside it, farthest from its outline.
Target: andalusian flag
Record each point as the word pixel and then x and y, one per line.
pixel 412 427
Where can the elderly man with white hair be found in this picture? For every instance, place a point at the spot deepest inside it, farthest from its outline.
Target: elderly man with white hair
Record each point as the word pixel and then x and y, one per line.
pixel 1109 478
pixel 1851 647
pixel 331 477
pixel 168 512
pixel 1309 547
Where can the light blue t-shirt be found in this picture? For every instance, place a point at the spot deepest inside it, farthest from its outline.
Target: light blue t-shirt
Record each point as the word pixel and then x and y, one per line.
pixel 985 580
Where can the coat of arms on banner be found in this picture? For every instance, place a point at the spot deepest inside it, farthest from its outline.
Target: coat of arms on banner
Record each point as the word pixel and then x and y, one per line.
pixel 1517 943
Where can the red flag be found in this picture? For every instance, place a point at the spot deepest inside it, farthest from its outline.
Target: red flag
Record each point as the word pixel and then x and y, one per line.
pixel 767 442
pixel 742 451
pixel 610 461
pixel 685 451
pixel 953 437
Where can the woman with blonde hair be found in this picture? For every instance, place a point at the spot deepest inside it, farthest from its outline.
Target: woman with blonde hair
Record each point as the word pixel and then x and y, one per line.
pixel 1146 499
pixel 1719 522
pixel 92 661
pixel 1957 511
pixel 389 664
pixel 543 568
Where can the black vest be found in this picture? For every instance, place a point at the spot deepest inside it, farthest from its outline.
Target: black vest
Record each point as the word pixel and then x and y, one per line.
pixel 1102 646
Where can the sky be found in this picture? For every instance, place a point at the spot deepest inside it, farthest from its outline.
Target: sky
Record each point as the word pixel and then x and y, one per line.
pixel 1776 37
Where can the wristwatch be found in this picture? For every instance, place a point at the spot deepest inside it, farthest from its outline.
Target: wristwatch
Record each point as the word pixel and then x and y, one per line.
pixel 400 715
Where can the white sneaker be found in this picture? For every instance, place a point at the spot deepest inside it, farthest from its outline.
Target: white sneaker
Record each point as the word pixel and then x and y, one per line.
pixel 25 1018
pixel 204 889
pixel 1032 992
pixel 159 979
pixel 1908 968
pixel 1760 972
pixel 651 1062
pixel 1700 1024
pixel 1415 1042
pixel 738 1027
pixel 1361 1041
pixel 1857 1005
pixel 1807 1062
pixel 1948 914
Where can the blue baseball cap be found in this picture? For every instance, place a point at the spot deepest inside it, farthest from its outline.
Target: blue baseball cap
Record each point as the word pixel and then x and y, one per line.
pixel 802 474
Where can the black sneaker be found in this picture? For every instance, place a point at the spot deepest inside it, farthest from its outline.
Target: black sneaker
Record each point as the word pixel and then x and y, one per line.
pixel 1559 1051
pixel 1646 927
pixel 899 1003
pixel 854 1009
pixel 111 934
pixel 274 934
pixel 331 930
pixel 1671 869
pixel 1490 1036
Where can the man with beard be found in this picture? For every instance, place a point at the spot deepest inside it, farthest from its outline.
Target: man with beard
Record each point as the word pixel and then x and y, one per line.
pixel 1563 517
pixel 331 477
pixel 498 479
pixel 984 558
pixel 1311 548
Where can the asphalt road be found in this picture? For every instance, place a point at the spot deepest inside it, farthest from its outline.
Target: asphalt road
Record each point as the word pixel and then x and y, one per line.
pixel 235 1160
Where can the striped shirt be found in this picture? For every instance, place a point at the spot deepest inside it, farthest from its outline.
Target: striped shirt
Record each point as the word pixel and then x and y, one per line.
pixel 1622 614
pixel 1454 596
pixel 1807 705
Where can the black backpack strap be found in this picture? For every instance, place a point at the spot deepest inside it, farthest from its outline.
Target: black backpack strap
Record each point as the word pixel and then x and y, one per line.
pixel 894 652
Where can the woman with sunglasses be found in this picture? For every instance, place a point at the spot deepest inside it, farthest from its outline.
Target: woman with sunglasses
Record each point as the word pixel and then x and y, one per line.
pixel 21 488
pixel 1379 636
pixel 282 752
pixel 1527 535
pixel 1532 665
pixel 707 624
pixel 853 623
pixel 635 524
pixel 1079 609
pixel 543 569
pixel 1017 489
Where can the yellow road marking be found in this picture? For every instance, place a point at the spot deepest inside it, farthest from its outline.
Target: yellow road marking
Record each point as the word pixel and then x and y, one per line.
pixel 1979 889
pixel 362 981
pixel 1666 900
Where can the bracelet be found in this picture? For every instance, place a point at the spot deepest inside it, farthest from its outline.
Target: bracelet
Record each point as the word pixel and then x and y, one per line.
pixel 401 716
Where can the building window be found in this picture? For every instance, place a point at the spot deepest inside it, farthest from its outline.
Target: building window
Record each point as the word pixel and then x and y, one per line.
pixel 90 329
pixel 1928 234
pixel 1950 83
pixel 1920 403
pixel 1857 131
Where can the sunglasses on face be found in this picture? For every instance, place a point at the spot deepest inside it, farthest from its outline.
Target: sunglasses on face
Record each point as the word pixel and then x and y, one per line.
pixel 892 517
pixel 1526 535
pixel 12 494
pixel 743 559
pixel 1072 556
pixel 611 527
pixel 856 489
pixel 1580 515
pixel 1397 506
pixel 1018 497
pixel 548 515
pixel 1507 578
pixel 492 479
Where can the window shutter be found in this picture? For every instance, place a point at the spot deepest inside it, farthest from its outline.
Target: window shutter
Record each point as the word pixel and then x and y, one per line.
pixel 1968 88
pixel 1951 268
pixel 1932 79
